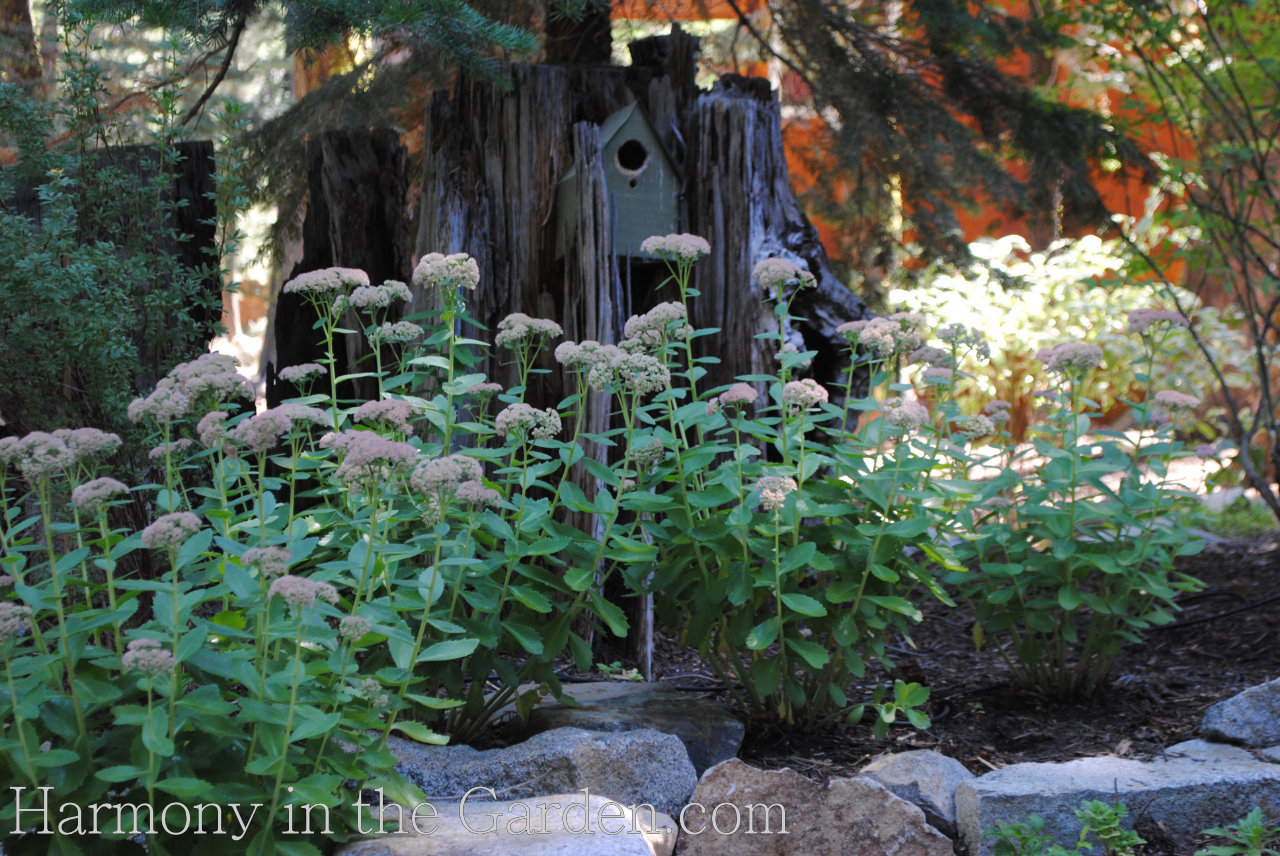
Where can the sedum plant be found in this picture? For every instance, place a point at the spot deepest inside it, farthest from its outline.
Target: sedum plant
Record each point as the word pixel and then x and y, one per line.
pixel 1099 820
pixel 1069 547
pixel 334 572
pixel 1251 835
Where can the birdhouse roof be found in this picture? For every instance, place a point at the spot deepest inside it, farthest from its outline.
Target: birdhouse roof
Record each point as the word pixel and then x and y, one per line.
pixel 613 124
pixel 618 120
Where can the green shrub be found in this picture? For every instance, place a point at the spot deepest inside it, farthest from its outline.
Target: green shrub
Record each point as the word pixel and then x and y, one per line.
pixel 1076 290
pixel 433 577
pixel 1251 835
pixel 1070 546
pixel 100 290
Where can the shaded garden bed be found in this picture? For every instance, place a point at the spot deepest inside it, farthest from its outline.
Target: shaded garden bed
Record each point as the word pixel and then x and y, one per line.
pixel 1156 697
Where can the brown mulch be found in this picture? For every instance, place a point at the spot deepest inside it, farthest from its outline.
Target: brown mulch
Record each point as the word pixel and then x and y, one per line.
pixel 1225 639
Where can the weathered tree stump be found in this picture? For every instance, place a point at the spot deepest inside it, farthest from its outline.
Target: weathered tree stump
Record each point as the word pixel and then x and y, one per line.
pixel 489 189
pixel 357 186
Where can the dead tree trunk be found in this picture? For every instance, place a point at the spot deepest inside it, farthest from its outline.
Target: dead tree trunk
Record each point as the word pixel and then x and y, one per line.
pixel 357 185
pixel 741 200
pixel 489 189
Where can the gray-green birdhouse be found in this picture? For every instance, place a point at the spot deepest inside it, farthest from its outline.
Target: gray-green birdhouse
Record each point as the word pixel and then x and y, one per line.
pixel 642 181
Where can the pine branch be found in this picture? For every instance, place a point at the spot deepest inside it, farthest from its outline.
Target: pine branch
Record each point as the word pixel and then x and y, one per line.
pixel 236 32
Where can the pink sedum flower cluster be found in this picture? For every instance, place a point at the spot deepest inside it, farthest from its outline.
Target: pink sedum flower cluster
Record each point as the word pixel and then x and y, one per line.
pixel 938 375
pixel 681 247
pixel 476 495
pixel 662 323
pixel 9 451
pixel 42 455
pixel 520 419
pixel 579 356
pixel 738 396
pixel 261 431
pixel 148 657
pixel 300 592
pixel 170 530
pixel 443 476
pixel 163 405
pixel 648 455
pixel 904 414
pixel 177 447
pixel 775 273
pixel 774 491
pixel 334 280
pixel 998 411
pixel 799 395
pixel 1071 357
pixel 354 626
pixel 1142 320
pixel 517 329
pixel 368 297
pixel 400 332
pixel 15 620
pixel 371 691
pixel 627 371
pixel 91 496
pixel 368 456
pixel 299 373
pixel 458 270
pixel 88 442
pixel 1175 402
pixel 270 562
pixel 212 428
pixel 389 413
pixel 209 378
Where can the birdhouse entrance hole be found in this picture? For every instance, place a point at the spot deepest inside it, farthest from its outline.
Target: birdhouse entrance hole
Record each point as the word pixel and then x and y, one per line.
pixel 632 157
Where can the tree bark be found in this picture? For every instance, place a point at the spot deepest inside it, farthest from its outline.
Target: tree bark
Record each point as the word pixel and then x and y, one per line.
pixel 357 185
pixel 19 58
pixel 740 199
pixel 489 190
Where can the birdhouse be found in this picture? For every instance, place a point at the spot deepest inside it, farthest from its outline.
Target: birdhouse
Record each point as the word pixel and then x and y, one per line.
pixel 642 182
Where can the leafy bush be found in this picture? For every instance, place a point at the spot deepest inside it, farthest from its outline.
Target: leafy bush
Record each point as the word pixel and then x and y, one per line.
pixel 1073 539
pixel 433 574
pixel 1251 835
pixel 99 278
pixel 1077 290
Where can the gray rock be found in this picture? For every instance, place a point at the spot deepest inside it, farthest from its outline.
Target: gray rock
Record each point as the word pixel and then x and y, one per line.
pixel 560 825
pixel 708 731
pixel 1251 717
pixel 1195 786
pixel 633 767
pixel 848 817
pixel 925 778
